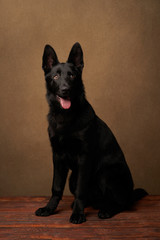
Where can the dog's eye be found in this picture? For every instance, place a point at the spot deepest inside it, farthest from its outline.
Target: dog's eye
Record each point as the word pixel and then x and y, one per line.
pixel 71 75
pixel 56 76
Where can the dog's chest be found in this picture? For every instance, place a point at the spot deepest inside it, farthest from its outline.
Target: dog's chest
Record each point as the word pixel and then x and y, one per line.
pixel 68 144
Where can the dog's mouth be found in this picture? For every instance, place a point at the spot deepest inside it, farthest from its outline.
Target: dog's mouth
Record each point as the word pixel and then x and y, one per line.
pixel 64 102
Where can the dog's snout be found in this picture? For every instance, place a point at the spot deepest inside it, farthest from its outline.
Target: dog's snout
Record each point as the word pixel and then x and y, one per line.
pixel 65 90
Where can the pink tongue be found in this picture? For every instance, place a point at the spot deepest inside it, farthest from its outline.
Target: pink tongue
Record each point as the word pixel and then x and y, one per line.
pixel 65 103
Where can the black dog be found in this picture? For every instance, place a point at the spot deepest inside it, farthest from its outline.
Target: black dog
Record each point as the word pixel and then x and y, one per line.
pixel 83 143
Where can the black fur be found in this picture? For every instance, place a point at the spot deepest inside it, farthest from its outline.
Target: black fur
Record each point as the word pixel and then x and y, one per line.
pixel 82 142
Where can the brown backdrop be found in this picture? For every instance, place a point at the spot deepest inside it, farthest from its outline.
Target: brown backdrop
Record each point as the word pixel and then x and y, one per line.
pixel 121 44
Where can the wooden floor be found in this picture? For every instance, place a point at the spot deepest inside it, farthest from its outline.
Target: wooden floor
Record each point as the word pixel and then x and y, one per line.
pixel 17 221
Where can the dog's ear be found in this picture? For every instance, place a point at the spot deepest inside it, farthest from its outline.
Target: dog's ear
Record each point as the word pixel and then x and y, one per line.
pixel 49 59
pixel 76 56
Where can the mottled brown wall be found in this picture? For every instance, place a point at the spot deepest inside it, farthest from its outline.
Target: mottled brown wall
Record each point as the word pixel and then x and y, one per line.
pixel 121 44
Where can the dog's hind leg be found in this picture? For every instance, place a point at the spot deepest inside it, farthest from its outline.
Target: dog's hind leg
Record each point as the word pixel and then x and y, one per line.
pixel 108 208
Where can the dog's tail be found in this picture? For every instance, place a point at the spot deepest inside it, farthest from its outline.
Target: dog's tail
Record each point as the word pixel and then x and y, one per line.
pixel 139 193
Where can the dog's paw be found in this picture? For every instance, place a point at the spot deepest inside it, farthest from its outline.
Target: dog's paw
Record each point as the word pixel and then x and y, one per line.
pixel 44 212
pixel 77 218
pixel 104 214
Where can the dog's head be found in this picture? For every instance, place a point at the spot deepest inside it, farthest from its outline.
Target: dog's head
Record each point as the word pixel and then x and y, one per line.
pixel 63 80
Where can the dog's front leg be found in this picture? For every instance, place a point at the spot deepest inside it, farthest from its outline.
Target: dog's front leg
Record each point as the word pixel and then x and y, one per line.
pixel 81 192
pixel 59 179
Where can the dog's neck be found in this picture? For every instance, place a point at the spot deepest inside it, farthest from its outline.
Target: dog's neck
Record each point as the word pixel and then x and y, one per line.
pixel 67 121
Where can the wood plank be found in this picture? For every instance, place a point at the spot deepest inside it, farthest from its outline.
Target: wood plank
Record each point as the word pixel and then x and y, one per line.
pixel 17 221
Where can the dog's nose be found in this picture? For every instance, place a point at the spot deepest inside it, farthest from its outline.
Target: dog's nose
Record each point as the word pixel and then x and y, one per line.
pixel 65 90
